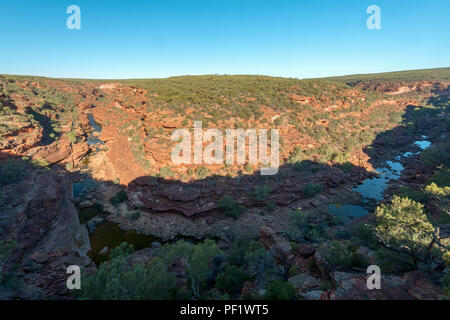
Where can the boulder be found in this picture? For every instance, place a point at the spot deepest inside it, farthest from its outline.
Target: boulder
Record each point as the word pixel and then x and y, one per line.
pixel 92 224
pixel 278 246
pixel 303 282
pixel 306 250
pixel 86 204
pixel 312 295
pixel 323 265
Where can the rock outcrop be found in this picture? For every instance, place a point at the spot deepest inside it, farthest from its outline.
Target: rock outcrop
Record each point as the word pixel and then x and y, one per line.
pixel 411 286
pixel 37 214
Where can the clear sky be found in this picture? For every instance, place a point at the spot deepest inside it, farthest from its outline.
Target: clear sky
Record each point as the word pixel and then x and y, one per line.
pixel 289 38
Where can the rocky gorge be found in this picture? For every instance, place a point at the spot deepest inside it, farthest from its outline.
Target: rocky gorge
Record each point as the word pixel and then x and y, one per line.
pixel 86 166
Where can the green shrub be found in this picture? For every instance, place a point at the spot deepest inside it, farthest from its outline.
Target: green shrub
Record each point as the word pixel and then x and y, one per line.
pixel 248 168
pixel 296 156
pixel 302 226
pixel 40 163
pixel 231 278
pixel 270 206
pixel 341 255
pixel 230 207
pixel 72 137
pixel 260 193
pixel 402 224
pixel 117 279
pixel 441 177
pixel 120 197
pixel 311 189
pixel 200 258
pixel 202 172
pixel 294 246
pixel 434 190
pixel 412 194
pixel 436 156
pixel 394 262
pixel 280 290
pixel 346 167
pixel 293 271
pixel 166 172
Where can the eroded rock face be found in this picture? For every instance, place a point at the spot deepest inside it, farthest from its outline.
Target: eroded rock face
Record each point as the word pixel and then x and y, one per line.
pixel 203 195
pixel 38 214
pixel 278 246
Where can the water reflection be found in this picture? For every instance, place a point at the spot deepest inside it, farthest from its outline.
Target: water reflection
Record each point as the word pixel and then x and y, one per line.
pixel 374 188
pixel 96 129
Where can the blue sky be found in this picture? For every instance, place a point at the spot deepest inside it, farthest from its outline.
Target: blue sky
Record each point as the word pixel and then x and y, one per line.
pixel 146 39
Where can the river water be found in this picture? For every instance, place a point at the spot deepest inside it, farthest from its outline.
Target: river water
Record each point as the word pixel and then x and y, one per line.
pixel 373 188
pixel 93 139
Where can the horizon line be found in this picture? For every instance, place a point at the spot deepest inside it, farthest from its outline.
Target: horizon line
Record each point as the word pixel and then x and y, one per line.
pixel 221 74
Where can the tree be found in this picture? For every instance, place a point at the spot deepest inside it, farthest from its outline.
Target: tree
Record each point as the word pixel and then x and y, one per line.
pixel 120 279
pixel 403 226
pixel 231 278
pixel 200 260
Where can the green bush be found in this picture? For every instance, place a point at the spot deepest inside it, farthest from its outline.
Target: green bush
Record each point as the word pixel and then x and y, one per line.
pixel 280 290
pixel 303 227
pixel 296 156
pixel 72 137
pixel 341 255
pixel 293 271
pixel 202 172
pixel 437 156
pixel 231 278
pixel 402 224
pixel 270 206
pixel 40 163
pixel 260 193
pixel 120 197
pixel 433 189
pixel 117 279
pixel 394 262
pixel 346 167
pixel 441 177
pixel 416 195
pixel 230 207
pixel 248 168
pixel 166 172
pixel 200 258
pixel 312 189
